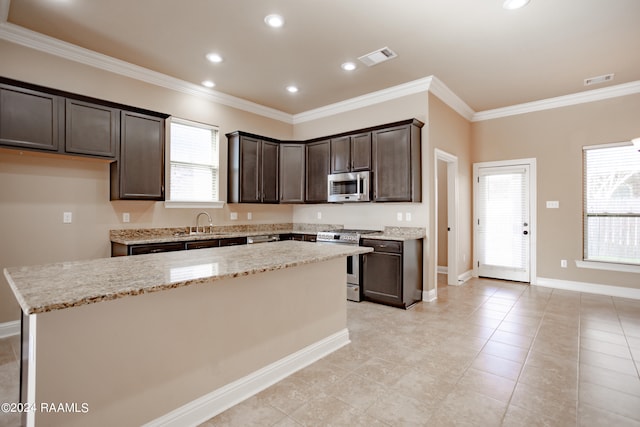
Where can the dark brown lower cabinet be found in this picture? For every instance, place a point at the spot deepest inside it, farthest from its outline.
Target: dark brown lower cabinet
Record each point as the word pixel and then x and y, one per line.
pixel 392 273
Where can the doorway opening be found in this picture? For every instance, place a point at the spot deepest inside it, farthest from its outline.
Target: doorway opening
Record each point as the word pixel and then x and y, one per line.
pixel 446 217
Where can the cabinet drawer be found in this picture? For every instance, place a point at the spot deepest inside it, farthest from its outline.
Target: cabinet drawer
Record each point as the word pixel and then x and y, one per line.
pixel 233 241
pixel 156 248
pixel 203 244
pixel 390 246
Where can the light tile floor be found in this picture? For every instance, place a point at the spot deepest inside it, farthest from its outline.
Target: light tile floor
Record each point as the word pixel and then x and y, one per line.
pixel 489 353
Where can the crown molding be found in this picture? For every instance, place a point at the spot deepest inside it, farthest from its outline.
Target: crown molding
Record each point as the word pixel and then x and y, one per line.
pixel 410 88
pixel 446 95
pixel 50 45
pixel 560 101
pixel 22 36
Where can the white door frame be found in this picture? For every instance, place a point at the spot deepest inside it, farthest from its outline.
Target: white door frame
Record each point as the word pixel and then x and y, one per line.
pixel 533 223
pixel 452 220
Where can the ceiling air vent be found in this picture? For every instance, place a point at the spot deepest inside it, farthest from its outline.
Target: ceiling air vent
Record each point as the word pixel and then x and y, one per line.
pixel 600 79
pixel 378 56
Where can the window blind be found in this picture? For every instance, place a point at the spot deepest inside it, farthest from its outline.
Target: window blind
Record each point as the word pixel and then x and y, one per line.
pixel 501 218
pixel 612 204
pixel 193 159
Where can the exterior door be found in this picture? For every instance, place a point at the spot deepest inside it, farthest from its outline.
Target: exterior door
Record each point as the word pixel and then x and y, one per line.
pixel 503 222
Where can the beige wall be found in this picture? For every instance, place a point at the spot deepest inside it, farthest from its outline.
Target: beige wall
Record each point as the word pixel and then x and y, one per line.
pixel 36 189
pixel 555 138
pixel 450 132
pixel 442 214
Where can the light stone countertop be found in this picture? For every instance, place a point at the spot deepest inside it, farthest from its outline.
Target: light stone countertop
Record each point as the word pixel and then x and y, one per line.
pixel 165 235
pixel 44 288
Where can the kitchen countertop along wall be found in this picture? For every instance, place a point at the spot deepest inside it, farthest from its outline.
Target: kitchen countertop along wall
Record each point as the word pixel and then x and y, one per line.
pixel 181 234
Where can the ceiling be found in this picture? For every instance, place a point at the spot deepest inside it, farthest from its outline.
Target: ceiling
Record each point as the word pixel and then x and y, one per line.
pixel 488 56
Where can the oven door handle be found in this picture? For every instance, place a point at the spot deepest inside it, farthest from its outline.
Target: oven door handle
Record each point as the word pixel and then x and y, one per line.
pixel 359 186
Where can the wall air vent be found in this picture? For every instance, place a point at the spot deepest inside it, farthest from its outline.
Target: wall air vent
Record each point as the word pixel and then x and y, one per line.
pixel 600 79
pixel 378 56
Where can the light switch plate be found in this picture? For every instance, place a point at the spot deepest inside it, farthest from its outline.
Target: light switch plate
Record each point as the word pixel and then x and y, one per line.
pixel 553 204
pixel 407 216
pixel 399 216
pixel 126 217
pixel 249 215
pixel 234 215
pixel 67 218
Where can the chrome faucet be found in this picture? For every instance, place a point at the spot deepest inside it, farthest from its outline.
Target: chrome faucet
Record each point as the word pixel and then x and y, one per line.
pixel 198 221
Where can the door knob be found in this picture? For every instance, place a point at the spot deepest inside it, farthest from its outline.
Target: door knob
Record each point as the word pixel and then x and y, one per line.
pixel 525 232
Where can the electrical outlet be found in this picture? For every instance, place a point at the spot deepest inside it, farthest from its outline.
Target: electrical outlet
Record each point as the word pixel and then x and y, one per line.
pixel 399 216
pixel 407 216
pixel 67 218
pixel 249 215
pixel 126 217
pixel 563 263
pixel 234 215
pixel 319 215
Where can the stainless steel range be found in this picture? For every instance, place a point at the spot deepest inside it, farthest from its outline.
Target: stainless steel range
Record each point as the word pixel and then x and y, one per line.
pixel 348 237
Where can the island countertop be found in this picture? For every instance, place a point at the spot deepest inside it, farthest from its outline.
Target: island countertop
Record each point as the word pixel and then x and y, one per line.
pixel 49 287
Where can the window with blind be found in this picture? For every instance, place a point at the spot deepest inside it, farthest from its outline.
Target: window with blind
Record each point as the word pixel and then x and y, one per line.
pixel 193 162
pixel 612 204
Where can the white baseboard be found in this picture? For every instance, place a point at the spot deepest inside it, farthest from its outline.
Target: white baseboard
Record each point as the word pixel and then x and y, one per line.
pixel 212 404
pixel 8 329
pixel 592 288
pixel 465 277
pixel 429 296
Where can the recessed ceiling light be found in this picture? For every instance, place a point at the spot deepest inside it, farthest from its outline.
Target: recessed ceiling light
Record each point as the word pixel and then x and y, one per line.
pixel 214 57
pixel 348 66
pixel 208 83
pixel 514 4
pixel 274 20
pixel 292 89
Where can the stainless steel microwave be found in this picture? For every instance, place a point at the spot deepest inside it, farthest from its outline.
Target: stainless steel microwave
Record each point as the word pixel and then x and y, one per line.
pixel 349 187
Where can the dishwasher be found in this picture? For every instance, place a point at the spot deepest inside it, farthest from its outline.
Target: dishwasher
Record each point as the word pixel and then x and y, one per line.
pixel 263 239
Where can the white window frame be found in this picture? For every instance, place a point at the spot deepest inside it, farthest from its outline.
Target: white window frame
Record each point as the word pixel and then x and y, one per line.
pixel 187 204
pixel 595 264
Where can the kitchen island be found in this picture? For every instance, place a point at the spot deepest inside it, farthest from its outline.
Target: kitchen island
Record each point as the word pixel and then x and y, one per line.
pixel 174 338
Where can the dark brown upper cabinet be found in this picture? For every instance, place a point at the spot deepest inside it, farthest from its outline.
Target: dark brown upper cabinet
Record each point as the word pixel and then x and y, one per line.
pixel 91 129
pixel 139 172
pixel 318 165
pixel 351 153
pixel 30 119
pixel 397 173
pixel 252 169
pixel 292 173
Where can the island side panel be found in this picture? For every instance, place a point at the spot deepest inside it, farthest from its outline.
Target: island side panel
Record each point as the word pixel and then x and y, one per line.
pixel 135 359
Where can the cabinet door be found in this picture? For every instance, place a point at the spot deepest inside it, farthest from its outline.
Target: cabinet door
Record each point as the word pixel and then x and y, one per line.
pixel 318 167
pixel 361 152
pixel 392 165
pixel 91 129
pixel 292 173
pixel 250 156
pixel 30 119
pixel 269 175
pixel 340 154
pixel 141 163
pixel 382 278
